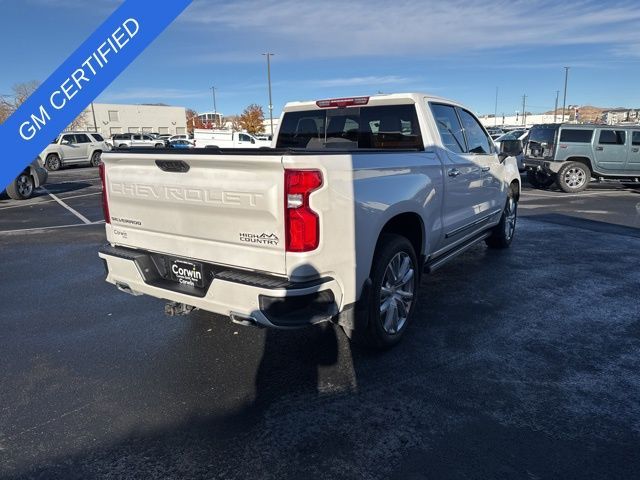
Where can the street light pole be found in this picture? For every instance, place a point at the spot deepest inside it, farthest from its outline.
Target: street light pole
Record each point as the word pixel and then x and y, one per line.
pixel 215 109
pixel 564 100
pixel 524 110
pixel 268 55
pixel 555 110
pixel 495 111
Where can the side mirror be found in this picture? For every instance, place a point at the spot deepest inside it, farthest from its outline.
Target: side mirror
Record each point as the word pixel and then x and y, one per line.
pixel 509 148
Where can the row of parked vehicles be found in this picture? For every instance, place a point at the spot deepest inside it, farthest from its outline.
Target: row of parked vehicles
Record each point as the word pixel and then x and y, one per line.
pixel 568 155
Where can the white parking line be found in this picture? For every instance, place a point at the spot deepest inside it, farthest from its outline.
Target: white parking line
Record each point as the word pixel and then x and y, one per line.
pixel 567 195
pixel 25 230
pixel 48 201
pixel 75 212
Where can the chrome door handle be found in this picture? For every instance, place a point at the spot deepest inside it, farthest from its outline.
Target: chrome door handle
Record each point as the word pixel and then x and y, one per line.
pixel 454 172
pixel 486 169
pixel 599 149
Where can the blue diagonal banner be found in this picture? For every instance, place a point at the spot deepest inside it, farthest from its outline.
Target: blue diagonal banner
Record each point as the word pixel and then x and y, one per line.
pixel 80 79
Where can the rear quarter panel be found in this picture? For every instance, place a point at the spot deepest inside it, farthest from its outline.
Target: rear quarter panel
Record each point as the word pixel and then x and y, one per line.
pixel 360 194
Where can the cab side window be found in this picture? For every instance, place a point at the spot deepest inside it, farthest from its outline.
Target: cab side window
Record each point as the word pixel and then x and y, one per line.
pixel 477 139
pixel 68 139
pixel 82 138
pixel 635 140
pixel 449 127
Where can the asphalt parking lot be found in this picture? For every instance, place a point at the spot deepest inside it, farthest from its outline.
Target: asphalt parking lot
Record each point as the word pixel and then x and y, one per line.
pixel 520 364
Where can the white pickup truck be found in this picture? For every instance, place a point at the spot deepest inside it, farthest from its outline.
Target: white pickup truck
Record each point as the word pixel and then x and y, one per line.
pixel 337 222
pixel 205 138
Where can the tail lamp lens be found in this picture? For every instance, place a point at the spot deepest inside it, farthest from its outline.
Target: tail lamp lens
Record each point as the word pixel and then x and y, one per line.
pixel 302 224
pixel 105 202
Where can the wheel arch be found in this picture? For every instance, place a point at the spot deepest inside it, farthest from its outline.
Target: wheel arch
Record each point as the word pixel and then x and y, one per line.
pixel 584 160
pixel 409 225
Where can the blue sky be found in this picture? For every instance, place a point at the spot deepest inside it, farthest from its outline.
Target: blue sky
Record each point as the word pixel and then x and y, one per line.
pixel 457 49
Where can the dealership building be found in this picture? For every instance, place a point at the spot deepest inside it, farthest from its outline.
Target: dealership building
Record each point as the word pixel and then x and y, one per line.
pixel 111 118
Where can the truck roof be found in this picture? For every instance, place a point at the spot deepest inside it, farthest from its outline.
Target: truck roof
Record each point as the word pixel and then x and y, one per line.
pixel 378 99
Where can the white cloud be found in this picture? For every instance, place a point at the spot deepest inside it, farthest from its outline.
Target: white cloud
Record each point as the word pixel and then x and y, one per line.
pixel 335 28
pixel 152 94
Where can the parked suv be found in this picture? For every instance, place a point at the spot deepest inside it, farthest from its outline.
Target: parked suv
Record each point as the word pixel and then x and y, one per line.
pixel 71 148
pixel 570 155
pixel 131 140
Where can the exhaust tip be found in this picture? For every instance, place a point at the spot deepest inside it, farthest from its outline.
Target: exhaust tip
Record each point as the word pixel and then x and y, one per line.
pixel 244 320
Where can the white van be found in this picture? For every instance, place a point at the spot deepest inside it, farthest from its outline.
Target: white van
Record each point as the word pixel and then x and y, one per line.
pixel 204 138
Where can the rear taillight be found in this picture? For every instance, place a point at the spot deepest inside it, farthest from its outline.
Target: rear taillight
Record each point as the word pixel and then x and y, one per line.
pixel 302 225
pixel 105 202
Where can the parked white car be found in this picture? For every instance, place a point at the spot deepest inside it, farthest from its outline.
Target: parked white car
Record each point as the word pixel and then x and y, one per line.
pixel 136 140
pixel 338 222
pixel 72 148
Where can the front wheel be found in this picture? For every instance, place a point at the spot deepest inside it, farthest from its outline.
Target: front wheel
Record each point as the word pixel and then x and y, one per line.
pixel 394 286
pixel 502 234
pixel 573 177
pixel 21 188
pixel 539 179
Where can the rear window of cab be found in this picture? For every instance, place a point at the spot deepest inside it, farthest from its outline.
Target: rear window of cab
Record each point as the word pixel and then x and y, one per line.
pixel 388 127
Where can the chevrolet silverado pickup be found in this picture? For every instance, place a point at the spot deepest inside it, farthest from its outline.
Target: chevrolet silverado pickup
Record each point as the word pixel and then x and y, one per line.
pixel 357 198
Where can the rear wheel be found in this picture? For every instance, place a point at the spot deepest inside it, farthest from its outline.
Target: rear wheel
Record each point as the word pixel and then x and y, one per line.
pixel 573 177
pixel 394 285
pixel 539 179
pixel 22 187
pixel 52 162
pixel 159 145
pixel 95 159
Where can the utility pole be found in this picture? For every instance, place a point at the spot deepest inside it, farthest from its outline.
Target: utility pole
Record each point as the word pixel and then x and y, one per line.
pixel 564 100
pixel 95 124
pixel 215 109
pixel 555 110
pixel 268 55
pixel 495 111
pixel 524 110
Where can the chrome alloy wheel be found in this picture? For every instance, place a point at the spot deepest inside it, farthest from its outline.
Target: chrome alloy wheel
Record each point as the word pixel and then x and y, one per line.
pixel 510 217
pixel 575 177
pixel 25 185
pixel 397 292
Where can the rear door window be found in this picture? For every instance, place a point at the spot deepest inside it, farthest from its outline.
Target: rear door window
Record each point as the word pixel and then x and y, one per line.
pixel 636 138
pixel 82 138
pixel 575 135
pixel 449 127
pixel 612 137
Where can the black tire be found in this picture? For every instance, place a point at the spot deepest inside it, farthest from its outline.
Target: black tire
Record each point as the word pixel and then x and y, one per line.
pixel 573 177
pixel 502 234
pixel 159 145
pixel 22 187
pixel 538 179
pixel 52 162
pixel 123 145
pixel 382 330
pixel 96 158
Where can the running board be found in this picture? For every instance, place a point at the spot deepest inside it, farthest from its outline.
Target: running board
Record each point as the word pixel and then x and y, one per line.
pixel 433 265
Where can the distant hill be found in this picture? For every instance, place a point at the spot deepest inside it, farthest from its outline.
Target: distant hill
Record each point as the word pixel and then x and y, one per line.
pixel 588 113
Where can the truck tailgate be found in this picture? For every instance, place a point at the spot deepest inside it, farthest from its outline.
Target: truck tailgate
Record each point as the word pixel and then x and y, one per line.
pixel 219 208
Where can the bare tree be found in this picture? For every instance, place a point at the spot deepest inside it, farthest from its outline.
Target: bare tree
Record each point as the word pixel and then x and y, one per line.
pixel 20 93
pixel 252 119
